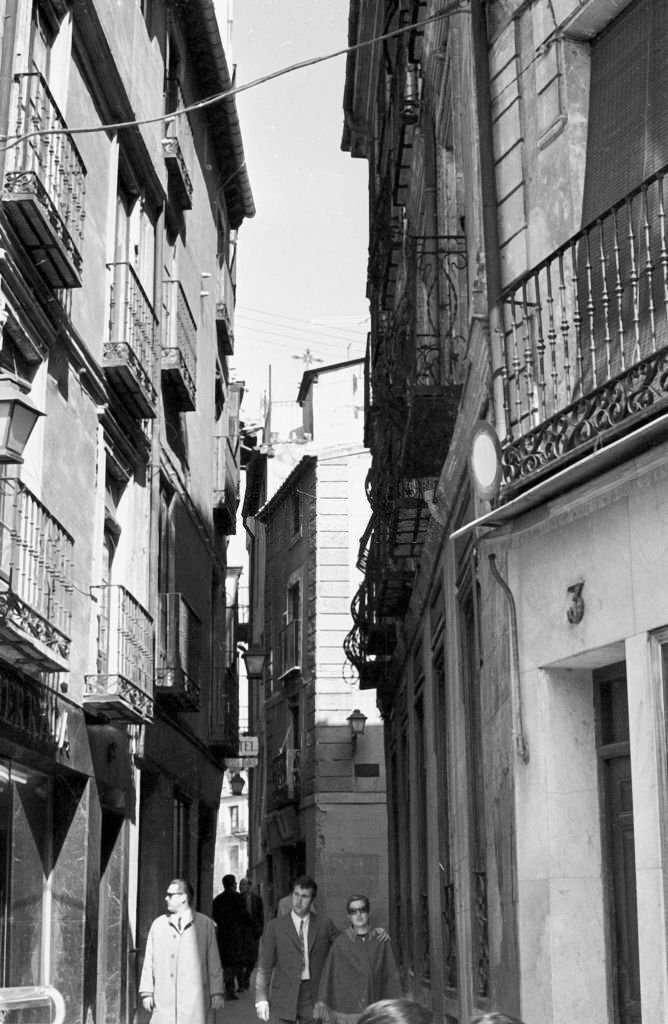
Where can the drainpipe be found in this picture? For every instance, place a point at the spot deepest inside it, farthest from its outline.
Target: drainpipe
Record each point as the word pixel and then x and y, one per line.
pixel 489 212
pixel 521 744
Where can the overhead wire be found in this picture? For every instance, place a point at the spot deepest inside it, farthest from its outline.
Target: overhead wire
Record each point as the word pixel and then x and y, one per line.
pixel 452 7
pixel 316 325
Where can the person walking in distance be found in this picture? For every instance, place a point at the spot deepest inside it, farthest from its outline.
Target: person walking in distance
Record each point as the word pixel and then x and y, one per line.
pixel 229 913
pixel 181 978
pixel 358 971
pixel 293 951
pixel 251 931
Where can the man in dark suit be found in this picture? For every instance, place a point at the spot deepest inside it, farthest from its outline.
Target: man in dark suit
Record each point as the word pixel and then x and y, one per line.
pixel 293 951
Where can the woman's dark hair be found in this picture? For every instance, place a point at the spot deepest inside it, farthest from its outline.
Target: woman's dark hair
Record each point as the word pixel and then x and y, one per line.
pixel 396 1011
pixel 358 899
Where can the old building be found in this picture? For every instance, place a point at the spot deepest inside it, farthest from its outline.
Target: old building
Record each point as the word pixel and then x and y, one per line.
pixel 118 218
pixel 512 618
pixel 318 793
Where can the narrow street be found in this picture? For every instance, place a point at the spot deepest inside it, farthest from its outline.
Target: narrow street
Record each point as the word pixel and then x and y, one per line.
pixel 238 1011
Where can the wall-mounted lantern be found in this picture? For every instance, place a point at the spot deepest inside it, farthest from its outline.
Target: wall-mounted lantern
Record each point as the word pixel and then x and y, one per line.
pixel 357 723
pixel 18 416
pixel 237 784
pixel 254 661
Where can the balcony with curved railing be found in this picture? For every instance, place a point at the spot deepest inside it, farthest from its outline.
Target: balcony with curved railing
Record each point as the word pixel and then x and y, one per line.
pixel 129 350
pixel 585 340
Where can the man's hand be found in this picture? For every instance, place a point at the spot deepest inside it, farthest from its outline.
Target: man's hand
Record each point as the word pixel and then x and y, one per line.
pixel 148 1003
pixel 320 1012
pixel 262 1010
pixel 217 1001
pixel 380 935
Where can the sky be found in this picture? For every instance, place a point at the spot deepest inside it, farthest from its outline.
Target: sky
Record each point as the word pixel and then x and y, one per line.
pixel 301 261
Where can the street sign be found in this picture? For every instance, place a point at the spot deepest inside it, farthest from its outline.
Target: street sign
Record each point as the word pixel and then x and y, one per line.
pixel 239 764
pixel 249 746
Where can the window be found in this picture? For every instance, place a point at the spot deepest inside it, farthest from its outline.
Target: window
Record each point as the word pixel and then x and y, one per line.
pixel 296 513
pixel 234 818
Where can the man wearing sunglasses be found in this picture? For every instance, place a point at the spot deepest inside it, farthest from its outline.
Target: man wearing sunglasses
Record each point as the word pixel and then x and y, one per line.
pixel 181 979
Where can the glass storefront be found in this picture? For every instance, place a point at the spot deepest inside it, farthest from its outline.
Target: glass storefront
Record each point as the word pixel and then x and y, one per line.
pixel 26 830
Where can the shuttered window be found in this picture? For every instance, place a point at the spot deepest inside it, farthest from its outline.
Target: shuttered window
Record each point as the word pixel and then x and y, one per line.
pixel 628 111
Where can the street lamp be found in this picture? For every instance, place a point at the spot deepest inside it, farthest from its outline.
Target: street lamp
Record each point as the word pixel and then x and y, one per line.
pixel 254 661
pixel 237 784
pixel 357 722
pixel 18 416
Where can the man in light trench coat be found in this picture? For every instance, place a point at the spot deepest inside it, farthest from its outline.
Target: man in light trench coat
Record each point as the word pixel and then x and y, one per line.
pixel 182 979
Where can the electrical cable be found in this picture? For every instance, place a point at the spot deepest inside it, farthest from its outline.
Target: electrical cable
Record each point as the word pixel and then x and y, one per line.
pixel 453 7
pixel 270 318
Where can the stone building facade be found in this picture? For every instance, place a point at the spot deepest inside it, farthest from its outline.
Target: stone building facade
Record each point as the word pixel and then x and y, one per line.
pixel 118 219
pixel 512 616
pixel 317 797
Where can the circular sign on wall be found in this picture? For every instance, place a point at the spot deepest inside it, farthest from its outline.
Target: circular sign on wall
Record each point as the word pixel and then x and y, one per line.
pixel 485 459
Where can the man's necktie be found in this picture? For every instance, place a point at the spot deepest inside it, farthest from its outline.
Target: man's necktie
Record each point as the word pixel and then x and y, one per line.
pixel 302 944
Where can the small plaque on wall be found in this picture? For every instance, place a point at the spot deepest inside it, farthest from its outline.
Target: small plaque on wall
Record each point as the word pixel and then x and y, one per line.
pixel 367 771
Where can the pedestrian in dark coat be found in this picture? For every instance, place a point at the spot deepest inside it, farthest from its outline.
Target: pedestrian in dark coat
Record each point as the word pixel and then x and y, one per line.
pixel 230 916
pixel 252 931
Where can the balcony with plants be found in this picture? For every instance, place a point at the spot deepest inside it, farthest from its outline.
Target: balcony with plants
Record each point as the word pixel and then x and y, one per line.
pixel 36 583
pixel 122 685
pixel 44 186
pixel 585 343
pixel 129 350
pixel 177 670
pixel 179 348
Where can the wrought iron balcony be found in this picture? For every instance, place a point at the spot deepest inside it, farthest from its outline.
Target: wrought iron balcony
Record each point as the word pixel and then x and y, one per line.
pixel 225 301
pixel 285 777
pixel 224 712
pixel 122 686
pixel 586 340
pixel 226 483
pixel 129 352
pixel 44 189
pixel 290 649
pixel 35 582
pixel 178 147
pixel 179 347
pixel 178 653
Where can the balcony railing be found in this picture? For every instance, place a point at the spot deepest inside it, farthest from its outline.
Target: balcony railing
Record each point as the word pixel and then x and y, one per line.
pixel 585 339
pixel 225 310
pixel 178 148
pixel 178 655
pixel 36 585
pixel 179 347
pixel 44 190
pixel 290 650
pixel 129 352
pixel 226 482
pixel 224 711
pixel 285 776
pixel 122 686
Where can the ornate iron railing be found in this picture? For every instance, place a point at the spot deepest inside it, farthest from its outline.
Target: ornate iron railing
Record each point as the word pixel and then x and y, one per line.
pixel 46 154
pixel 124 646
pixel 178 143
pixel 586 336
pixel 132 325
pixel 36 567
pixel 178 650
pixel 180 333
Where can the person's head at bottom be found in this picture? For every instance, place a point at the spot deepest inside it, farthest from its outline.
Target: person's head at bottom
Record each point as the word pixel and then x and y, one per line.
pixel 495 1017
pixel 396 1011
